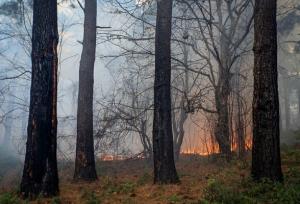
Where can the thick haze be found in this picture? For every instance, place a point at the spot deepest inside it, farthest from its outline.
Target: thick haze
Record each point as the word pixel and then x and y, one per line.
pixel 15 54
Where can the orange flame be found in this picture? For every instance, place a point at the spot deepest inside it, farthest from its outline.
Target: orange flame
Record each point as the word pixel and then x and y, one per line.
pixel 110 157
pixel 209 147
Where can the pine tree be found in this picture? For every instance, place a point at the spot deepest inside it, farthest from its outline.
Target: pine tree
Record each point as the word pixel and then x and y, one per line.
pixel 40 174
pixel 266 162
pixel 164 166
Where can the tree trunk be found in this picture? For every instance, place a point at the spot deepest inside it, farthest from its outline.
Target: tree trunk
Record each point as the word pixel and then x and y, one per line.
pixel 223 89
pixel 240 123
pixel 287 103
pixel 85 158
pixel 179 132
pixel 146 141
pixel 40 168
pixel 8 123
pixel 164 166
pixel 266 161
pixel 222 125
pixel 178 126
pixel 298 97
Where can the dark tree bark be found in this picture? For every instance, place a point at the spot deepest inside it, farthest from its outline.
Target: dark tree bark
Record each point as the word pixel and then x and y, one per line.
pixel 266 161
pixel 40 169
pixel 164 166
pixel 85 158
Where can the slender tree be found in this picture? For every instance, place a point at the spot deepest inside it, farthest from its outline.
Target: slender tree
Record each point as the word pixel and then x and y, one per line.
pixel 266 162
pixel 40 169
pixel 164 166
pixel 85 159
pixel 178 123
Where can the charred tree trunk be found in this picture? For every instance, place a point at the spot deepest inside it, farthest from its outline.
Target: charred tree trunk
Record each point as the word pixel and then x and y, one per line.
pixel 85 158
pixel 40 169
pixel 266 161
pixel 163 155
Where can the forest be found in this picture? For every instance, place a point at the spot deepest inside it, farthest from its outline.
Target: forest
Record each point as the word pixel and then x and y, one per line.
pixel 149 101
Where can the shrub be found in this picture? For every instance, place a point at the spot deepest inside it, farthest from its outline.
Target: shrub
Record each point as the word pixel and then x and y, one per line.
pixel 127 187
pixel 216 192
pixel 250 192
pixel 9 198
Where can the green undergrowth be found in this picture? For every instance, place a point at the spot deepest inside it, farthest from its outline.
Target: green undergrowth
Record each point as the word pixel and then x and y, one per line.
pixel 10 198
pixel 246 191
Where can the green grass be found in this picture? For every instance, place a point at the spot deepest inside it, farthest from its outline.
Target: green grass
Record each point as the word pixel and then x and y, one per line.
pixel 175 199
pixel 246 191
pixel 9 198
pixel 90 197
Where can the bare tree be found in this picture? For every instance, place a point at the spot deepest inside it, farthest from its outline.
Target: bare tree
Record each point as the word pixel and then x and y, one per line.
pixel 221 52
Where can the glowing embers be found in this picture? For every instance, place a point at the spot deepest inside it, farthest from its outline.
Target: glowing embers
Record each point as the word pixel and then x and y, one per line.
pixel 208 147
pixel 202 150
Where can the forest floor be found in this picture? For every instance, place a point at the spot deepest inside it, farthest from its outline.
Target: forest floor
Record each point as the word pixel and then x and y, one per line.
pixel 203 180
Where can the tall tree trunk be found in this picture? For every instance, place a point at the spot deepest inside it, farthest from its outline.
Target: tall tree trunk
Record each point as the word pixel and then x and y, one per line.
pixel 164 166
pixel 40 168
pixel 85 158
pixel 266 161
